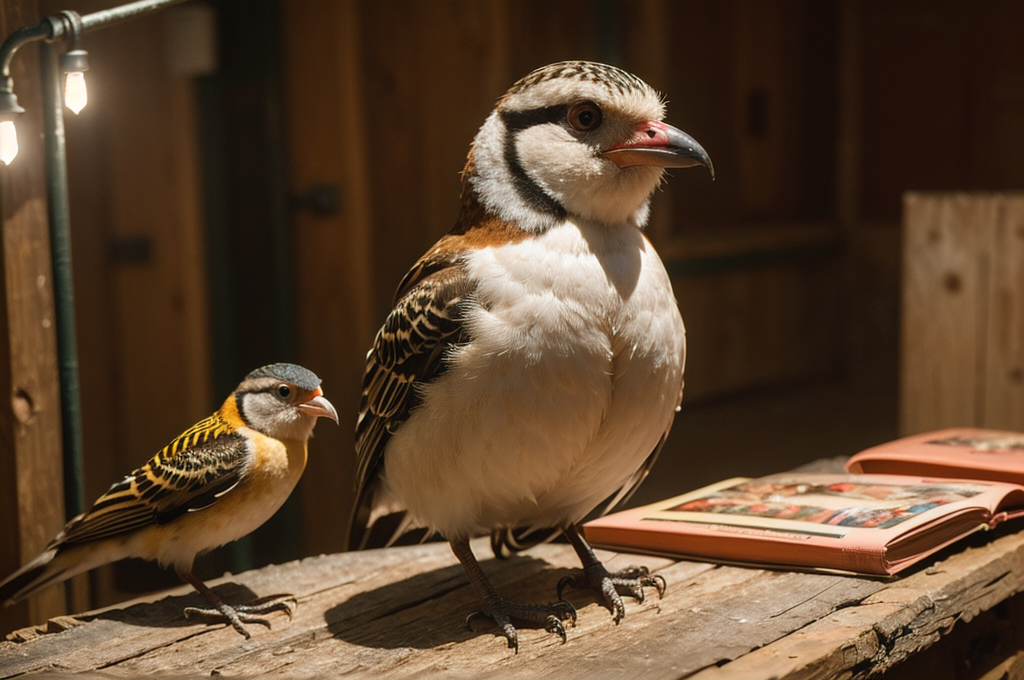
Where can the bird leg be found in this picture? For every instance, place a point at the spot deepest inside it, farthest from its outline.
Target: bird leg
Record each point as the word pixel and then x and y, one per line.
pixel 234 614
pixel 502 611
pixel 595 575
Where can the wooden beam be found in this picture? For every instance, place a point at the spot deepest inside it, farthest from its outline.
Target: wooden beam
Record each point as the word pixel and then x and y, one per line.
pixel 31 470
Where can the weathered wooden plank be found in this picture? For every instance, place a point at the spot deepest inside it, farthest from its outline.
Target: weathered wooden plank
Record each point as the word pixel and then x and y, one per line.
pixel 963 326
pixel 891 625
pixel 400 612
pixel 1004 350
pixel 944 291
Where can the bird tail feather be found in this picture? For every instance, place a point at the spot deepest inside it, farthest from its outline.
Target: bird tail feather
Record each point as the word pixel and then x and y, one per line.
pixel 33 576
pixel 57 564
pixel 374 526
pixel 508 541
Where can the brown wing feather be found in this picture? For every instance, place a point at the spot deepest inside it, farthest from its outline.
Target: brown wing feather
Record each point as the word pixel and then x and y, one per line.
pixel 409 350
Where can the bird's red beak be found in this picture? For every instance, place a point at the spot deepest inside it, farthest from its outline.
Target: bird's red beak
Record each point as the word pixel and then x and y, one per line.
pixel 318 406
pixel 661 145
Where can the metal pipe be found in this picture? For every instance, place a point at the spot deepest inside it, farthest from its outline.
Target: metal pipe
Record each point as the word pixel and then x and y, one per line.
pixel 63 279
pixel 132 9
pixel 23 35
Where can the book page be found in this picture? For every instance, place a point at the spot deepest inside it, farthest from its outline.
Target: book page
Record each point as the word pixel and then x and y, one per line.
pixel 821 505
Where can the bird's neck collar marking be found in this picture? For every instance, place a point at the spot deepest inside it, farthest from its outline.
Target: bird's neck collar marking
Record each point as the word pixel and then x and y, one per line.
pixel 239 411
pixel 529 191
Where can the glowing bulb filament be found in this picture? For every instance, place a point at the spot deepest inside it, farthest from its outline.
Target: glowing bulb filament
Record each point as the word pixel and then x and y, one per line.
pixel 8 141
pixel 75 95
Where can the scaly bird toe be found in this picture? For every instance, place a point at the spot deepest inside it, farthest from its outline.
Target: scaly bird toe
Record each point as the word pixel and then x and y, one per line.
pixel 551 616
pixel 273 603
pixel 237 615
pixel 633 579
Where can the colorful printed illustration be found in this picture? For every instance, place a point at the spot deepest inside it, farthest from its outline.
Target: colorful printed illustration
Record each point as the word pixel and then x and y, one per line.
pixel 994 442
pixel 842 503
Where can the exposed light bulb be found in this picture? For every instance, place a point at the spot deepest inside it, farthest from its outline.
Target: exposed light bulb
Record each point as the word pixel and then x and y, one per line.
pixel 75 94
pixel 8 141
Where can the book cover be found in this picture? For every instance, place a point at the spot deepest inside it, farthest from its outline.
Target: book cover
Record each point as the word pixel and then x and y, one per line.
pixel 867 524
pixel 966 453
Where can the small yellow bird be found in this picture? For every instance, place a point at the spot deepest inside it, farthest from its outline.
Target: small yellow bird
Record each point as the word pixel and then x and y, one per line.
pixel 216 482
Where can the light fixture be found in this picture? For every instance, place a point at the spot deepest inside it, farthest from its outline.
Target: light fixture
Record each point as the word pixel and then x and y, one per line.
pixel 8 141
pixel 9 110
pixel 74 64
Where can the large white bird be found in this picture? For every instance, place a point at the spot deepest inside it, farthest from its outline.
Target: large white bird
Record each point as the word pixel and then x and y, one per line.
pixel 533 363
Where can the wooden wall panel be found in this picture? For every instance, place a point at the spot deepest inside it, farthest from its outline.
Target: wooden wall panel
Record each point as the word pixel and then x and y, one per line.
pixel 943 309
pixel 962 327
pixel 1004 329
pixel 431 74
pixel 138 239
pixel 943 99
pixel 328 140
pixel 31 481
pixel 753 326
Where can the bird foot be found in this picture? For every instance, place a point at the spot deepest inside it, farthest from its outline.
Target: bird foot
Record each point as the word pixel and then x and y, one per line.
pixel 633 579
pixel 502 612
pixel 238 614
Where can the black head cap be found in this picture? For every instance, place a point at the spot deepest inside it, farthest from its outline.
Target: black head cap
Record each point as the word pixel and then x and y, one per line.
pixel 290 373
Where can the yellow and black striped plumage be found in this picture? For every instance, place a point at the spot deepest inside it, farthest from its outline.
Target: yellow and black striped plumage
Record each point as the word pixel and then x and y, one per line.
pixel 190 473
pixel 214 483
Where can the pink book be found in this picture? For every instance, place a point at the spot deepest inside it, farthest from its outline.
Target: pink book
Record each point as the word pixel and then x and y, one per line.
pixel 967 453
pixel 866 524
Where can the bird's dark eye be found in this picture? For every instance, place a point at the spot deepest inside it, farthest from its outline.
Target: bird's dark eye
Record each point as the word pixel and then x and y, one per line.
pixel 284 391
pixel 584 116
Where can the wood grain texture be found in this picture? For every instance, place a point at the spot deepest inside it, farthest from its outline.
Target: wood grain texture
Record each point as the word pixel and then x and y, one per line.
pixel 399 613
pixel 31 481
pixel 944 286
pixel 321 44
pixel 1004 334
pixel 963 324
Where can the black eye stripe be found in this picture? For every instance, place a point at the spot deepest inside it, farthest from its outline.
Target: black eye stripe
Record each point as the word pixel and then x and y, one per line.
pixel 520 120
pixel 266 390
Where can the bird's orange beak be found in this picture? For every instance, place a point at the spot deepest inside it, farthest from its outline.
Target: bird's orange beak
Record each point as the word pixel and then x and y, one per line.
pixel 318 406
pixel 659 144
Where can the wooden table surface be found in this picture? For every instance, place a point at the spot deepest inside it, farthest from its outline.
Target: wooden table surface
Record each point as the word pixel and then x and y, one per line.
pixel 400 613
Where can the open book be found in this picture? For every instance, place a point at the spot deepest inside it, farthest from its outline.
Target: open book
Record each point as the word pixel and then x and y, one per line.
pixel 862 523
pixel 967 453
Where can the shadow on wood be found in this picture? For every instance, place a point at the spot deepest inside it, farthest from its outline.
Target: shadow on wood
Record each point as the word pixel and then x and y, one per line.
pixel 169 612
pixel 429 609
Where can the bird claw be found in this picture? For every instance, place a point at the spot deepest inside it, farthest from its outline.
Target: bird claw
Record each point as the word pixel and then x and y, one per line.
pixel 237 615
pixel 633 579
pixel 502 612
pixel 273 603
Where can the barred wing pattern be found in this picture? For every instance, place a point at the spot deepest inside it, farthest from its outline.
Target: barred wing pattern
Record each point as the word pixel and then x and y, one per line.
pixel 191 473
pixel 409 350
